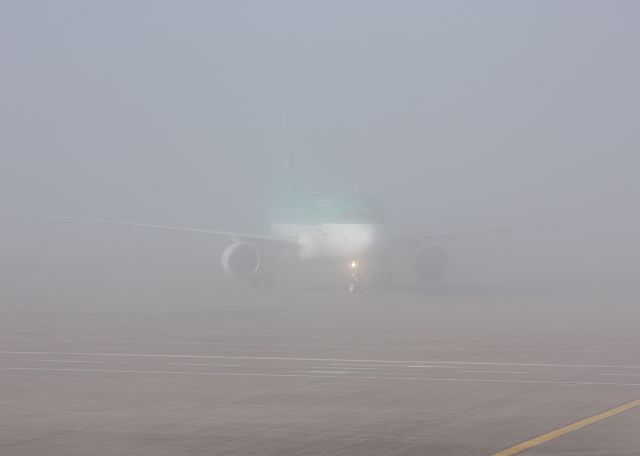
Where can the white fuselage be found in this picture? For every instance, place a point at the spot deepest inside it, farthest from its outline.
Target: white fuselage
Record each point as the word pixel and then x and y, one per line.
pixel 333 240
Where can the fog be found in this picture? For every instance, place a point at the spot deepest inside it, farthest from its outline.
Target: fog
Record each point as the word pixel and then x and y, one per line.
pixel 517 121
pixel 455 115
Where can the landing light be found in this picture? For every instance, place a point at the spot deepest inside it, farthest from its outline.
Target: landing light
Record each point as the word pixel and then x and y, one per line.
pixel 354 264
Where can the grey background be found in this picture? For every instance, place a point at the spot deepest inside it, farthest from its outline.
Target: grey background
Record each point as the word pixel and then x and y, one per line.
pixel 457 115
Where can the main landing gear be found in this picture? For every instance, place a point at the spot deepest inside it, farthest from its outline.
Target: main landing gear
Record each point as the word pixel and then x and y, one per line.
pixel 366 276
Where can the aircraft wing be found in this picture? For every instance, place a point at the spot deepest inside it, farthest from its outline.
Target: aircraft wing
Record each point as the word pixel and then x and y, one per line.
pixel 497 230
pixel 290 241
pixel 455 234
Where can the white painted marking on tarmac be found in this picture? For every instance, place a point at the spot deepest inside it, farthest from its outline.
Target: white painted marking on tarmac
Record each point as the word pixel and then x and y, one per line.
pixel 83 338
pixel 622 375
pixel 381 373
pixel 361 347
pixel 352 372
pixel 120 371
pixel 427 367
pixel 340 377
pixel 348 367
pixel 205 364
pixel 282 358
pixel 493 372
pixel 67 361
pixel 325 372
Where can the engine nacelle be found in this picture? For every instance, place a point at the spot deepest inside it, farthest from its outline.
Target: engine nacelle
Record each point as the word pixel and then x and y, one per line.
pixel 431 264
pixel 241 260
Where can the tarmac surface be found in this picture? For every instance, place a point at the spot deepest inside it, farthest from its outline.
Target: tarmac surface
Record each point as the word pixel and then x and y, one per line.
pixel 309 372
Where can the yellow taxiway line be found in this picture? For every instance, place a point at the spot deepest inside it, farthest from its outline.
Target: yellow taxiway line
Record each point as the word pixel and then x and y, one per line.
pixel 519 448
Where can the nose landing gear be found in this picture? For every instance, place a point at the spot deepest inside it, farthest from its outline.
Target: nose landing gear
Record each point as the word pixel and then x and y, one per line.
pixel 357 283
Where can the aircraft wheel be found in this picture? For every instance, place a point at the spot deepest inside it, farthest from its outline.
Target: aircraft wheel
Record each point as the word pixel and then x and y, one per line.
pixel 356 287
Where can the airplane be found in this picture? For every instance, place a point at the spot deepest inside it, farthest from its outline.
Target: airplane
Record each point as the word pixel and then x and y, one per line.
pixel 348 227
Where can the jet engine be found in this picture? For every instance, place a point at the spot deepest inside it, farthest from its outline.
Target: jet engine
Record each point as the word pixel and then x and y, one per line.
pixel 431 264
pixel 241 260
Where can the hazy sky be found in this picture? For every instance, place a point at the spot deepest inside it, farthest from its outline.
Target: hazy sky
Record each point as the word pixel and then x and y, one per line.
pixel 453 113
